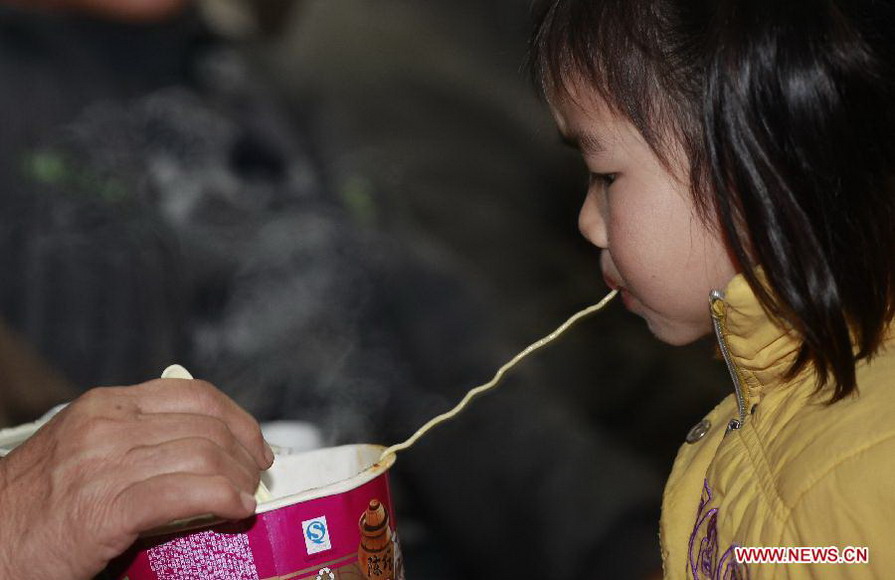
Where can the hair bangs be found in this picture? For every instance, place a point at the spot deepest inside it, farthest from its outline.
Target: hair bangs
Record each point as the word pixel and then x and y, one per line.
pixel 629 54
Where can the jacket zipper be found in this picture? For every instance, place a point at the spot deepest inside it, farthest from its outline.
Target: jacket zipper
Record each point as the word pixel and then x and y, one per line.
pixel 731 368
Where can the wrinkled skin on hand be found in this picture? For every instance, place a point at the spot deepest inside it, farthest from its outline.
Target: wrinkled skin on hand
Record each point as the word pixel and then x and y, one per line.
pixel 121 461
pixel 134 10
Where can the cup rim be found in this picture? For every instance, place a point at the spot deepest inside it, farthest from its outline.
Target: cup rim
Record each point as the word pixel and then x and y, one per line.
pixel 340 486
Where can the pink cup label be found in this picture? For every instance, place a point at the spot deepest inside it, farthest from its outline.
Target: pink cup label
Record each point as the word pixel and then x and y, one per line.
pixel 348 535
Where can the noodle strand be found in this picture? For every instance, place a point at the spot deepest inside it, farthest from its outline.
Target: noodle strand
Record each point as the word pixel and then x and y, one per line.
pixel 493 382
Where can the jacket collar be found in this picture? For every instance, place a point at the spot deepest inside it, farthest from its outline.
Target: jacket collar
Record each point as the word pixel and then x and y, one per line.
pixel 757 348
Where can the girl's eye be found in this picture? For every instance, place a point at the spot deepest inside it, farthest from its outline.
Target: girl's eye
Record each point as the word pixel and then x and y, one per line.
pixel 602 179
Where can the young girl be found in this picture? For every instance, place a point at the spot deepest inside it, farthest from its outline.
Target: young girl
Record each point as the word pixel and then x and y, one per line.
pixel 742 183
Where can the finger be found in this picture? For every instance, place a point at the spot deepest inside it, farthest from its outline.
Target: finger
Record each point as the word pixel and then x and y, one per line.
pixel 201 398
pixel 159 428
pixel 160 500
pixel 194 456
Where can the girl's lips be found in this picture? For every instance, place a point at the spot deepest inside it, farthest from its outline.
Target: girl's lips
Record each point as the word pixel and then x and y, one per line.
pixel 626 297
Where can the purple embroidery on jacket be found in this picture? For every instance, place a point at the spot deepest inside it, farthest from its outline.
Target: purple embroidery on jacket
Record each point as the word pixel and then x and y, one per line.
pixel 705 563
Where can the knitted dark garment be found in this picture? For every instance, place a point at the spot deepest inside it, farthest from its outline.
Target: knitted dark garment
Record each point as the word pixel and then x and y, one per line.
pixel 158 207
pixel 76 264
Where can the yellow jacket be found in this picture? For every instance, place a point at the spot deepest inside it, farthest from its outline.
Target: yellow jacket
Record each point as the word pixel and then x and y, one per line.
pixel 773 465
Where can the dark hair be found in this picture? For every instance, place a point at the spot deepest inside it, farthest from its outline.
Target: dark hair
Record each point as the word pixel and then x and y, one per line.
pixel 785 110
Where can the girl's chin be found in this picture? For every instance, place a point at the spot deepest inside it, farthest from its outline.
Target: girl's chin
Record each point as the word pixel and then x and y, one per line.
pixel 675 334
pixel 667 329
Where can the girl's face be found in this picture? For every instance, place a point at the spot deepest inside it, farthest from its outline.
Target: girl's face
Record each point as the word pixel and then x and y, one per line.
pixel 657 251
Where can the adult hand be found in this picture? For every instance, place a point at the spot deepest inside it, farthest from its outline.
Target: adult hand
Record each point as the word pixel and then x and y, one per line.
pixel 120 461
pixel 135 10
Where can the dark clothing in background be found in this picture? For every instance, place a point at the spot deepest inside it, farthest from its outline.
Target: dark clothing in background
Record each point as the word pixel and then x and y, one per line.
pixel 166 211
pixel 160 205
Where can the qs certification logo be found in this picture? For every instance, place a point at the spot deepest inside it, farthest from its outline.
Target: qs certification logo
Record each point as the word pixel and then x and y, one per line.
pixel 316 535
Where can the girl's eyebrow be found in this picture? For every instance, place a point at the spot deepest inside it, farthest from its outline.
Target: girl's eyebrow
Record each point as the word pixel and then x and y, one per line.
pixel 586 143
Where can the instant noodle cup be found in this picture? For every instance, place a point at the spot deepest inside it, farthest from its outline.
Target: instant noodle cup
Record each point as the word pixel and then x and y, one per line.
pixel 331 517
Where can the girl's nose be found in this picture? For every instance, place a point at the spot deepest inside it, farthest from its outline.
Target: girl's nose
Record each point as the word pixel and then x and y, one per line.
pixel 591 222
